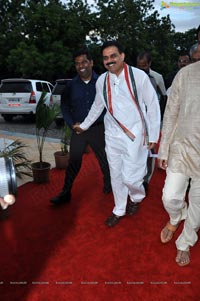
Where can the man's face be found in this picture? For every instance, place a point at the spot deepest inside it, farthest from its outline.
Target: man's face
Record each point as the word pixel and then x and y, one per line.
pixel 143 65
pixel 196 55
pixel 183 61
pixel 84 67
pixel 113 60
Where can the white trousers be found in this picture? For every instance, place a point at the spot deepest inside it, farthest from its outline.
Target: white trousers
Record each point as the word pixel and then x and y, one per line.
pixel 174 202
pixel 127 162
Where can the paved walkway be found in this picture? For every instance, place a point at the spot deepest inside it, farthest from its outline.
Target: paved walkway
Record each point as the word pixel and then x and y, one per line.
pixel 51 145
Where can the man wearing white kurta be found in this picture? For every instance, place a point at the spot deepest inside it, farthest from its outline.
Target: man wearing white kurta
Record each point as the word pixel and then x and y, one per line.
pixel 126 152
pixel 179 154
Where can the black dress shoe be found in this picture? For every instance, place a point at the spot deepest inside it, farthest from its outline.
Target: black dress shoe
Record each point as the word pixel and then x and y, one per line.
pixel 112 220
pixel 63 197
pixel 132 208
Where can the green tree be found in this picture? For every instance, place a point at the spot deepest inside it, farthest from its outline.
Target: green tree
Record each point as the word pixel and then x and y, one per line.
pixel 137 26
pixel 39 37
pixel 42 43
pixel 183 41
pixel 11 20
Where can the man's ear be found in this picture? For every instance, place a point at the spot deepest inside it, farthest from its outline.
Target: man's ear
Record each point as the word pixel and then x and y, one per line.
pixel 123 56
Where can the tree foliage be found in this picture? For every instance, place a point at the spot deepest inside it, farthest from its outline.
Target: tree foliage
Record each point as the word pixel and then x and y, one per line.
pixel 38 37
pixel 137 25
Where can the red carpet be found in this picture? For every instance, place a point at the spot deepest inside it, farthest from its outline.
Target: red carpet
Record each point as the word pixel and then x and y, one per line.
pixel 67 253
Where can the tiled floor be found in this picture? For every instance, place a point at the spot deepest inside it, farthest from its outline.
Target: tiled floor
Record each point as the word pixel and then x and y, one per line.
pixel 51 145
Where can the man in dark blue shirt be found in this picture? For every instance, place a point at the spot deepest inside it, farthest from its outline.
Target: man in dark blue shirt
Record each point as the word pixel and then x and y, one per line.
pixel 76 101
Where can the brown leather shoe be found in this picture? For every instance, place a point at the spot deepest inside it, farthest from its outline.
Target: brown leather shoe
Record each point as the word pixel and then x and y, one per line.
pixel 132 208
pixel 112 220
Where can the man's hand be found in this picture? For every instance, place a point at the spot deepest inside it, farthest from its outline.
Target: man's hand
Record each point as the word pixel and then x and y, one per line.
pixel 77 128
pixel 162 163
pixel 151 145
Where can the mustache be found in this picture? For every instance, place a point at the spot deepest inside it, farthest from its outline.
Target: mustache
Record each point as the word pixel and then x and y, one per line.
pixel 110 63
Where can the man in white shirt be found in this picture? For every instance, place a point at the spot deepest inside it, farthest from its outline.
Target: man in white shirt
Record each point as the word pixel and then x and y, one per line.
pixel 132 127
pixel 144 61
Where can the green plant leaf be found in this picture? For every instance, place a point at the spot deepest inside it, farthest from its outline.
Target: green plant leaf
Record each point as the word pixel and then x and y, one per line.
pixel 45 116
pixel 22 165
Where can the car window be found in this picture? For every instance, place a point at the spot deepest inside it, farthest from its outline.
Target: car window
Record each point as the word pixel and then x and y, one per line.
pixel 45 87
pixel 38 86
pixel 58 89
pixel 16 87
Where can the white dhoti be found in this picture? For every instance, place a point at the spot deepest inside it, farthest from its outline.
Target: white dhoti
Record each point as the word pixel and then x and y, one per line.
pixel 174 202
pixel 127 162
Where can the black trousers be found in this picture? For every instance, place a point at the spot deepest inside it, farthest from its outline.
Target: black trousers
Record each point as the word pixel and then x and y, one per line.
pixel 94 136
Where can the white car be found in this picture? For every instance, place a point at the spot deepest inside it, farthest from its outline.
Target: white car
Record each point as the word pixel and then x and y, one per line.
pixel 56 97
pixel 20 96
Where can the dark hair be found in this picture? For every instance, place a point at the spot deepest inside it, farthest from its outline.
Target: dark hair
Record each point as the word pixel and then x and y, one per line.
pixel 83 51
pixel 198 31
pixel 112 43
pixel 144 54
pixel 184 54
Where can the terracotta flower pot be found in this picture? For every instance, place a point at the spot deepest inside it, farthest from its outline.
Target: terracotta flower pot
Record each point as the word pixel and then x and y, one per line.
pixel 61 159
pixel 41 172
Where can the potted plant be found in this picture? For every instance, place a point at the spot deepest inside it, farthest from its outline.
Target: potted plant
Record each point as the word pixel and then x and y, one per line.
pixel 62 156
pixel 15 151
pixel 45 116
